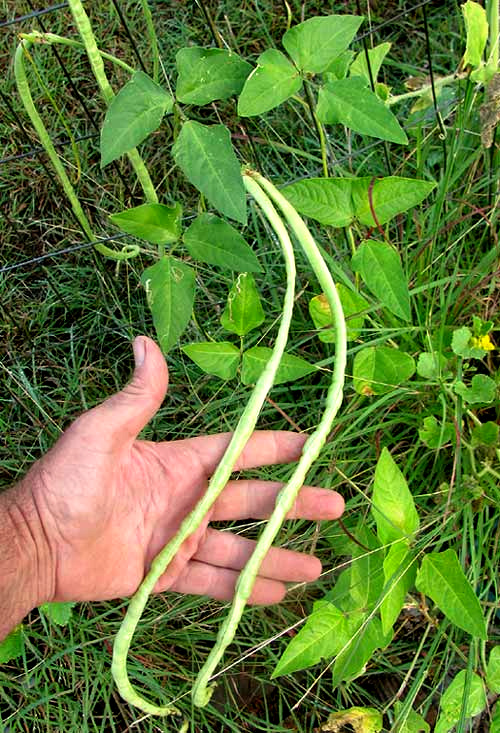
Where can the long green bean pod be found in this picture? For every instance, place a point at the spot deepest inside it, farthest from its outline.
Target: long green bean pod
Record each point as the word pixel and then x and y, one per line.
pixel 37 122
pixel 87 35
pixel 217 483
pixel 256 185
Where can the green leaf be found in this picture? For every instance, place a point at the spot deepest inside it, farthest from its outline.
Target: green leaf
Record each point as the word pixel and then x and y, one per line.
pixel 156 223
pixel 435 434
pixel 272 82
pixel 360 720
pixel 464 344
pixel 442 579
pixel 321 314
pixel 389 196
pixel 349 102
pixel 339 67
pixel 58 613
pixel 431 366
pixel 214 241
pixel 392 506
pixel 316 42
pixel 207 74
pixel 485 434
pixel 411 723
pixel 327 200
pixel 12 646
pixel 291 367
pixel 135 112
pixel 483 389
pixel 376 55
pixel 367 579
pixel 476 25
pixel 495 719
pixel 207 159
pixel 452 701
pixel 351 662
pixel 493 670
pixel 169 287
pixel 320 638
pixel 399 575
pixel 340 594
pixel 243 311
pixel 380 267
pixel 220 359
pixel 380 369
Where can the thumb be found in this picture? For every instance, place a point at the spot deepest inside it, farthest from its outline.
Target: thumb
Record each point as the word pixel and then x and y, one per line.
pixel 125 414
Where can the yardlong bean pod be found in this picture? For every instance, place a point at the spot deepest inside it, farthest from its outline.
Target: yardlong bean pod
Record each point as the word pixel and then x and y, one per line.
pixel 25 94
pixel 218 481
pixel 255 184
pixel 87 35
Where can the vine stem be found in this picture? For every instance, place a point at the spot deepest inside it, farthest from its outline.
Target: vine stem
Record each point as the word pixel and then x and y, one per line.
pixel 217 483
pixel 94 55
pixel 25 94
pixel 259 186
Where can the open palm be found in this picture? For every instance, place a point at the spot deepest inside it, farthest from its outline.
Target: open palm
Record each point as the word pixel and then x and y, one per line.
pixel 109 502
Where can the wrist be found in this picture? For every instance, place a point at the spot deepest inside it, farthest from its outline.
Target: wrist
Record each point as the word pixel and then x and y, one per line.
pixel 26 563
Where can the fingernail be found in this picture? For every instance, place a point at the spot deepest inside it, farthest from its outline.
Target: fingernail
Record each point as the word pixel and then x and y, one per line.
pixel 139 348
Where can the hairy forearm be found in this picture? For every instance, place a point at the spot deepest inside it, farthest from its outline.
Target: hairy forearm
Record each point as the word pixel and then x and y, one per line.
pixel 24 556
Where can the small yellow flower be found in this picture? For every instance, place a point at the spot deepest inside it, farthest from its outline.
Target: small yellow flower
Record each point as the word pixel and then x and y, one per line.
pixel 482 342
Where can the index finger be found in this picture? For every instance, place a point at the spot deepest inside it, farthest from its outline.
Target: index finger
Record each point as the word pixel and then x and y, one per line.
pixel 263 448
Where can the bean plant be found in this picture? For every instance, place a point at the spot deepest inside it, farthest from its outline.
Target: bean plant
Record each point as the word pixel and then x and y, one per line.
pixel 340 90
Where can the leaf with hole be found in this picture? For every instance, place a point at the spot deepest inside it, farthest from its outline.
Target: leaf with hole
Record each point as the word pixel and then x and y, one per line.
pixel 135 112
pixel 476 26
pixel 349 102
pixel 399 575
pixel 12 646
pixel 316 42
pixel 380 369
pixel 392 506
pixel 291 367
pixel 380 267
pixel 205 155
pixel 155 223
pixel 170 285
pixel 387 196
pixel 442 579
pixel 58 613
pixel 450 709
pixel 270 84
pixel 218 358
pixel 352 304
pixel 320 638
pixel 376 56
pixel 214 241
pixel 243 311
pixel 208 74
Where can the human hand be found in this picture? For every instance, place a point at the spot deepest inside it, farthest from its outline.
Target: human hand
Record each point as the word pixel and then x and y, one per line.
pixel 107 502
